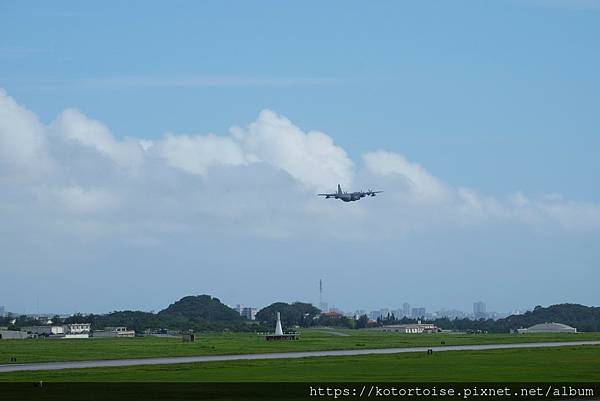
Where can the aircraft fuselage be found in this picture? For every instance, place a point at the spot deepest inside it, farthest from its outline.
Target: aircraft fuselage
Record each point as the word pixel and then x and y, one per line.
pixel 346 197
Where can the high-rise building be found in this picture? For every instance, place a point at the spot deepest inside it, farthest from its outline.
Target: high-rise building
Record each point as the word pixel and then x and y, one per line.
pixel 249 313
pixel 479 310
pixel 406 309
pixel 418 312
pixel 2 310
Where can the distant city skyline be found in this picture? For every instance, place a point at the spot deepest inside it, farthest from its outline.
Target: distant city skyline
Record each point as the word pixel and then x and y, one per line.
pixel 249 312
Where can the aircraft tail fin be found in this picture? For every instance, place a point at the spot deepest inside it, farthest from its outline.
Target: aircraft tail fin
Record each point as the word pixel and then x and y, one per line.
pixel 339 189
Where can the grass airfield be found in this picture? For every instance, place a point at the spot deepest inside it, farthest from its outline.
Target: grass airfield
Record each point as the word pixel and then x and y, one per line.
pixel 55 350
pixel 580 363
pixel 568 364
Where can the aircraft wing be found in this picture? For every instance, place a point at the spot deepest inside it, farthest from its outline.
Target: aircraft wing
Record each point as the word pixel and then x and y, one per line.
pixel 326 194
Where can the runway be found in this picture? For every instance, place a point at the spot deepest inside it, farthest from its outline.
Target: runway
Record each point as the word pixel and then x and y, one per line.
pixel 276 355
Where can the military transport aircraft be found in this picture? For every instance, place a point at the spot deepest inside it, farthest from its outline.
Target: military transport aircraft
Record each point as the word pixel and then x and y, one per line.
pixel 349 197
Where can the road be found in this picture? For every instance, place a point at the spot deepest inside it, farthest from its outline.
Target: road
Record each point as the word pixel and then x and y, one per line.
pixel 276 355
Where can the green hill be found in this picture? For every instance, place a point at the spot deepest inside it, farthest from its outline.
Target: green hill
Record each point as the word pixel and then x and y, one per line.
pixel 201 307
pixel 198 313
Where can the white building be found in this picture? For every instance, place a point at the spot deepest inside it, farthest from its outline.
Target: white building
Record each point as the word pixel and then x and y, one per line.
pixel 114 332
pixel 78 328
pixel 57 330
pixel 249 313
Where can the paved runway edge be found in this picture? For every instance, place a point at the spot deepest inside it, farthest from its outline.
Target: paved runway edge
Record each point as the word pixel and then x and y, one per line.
pixel 276 355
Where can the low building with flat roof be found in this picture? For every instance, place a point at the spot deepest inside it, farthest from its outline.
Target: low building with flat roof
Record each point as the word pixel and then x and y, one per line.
pixel 13 335
pixel 411 328
pixel 78 328
pixel 37 330
pixel 114 332
pixel 44 330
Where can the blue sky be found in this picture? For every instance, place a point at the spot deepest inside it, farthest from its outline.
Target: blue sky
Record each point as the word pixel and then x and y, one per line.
pixel 500 98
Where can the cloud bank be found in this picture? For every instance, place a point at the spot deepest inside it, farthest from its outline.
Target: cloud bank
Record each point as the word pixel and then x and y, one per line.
pixel 23 147
pixel 74 178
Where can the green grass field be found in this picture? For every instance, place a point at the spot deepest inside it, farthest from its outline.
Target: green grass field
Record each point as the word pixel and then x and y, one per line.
pixel 542 364
pixel 44 350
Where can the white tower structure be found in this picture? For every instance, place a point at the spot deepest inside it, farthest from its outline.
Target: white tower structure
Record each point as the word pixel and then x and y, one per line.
pixel 278 329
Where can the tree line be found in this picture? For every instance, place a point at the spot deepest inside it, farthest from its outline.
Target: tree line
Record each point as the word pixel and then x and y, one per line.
pixel 206 313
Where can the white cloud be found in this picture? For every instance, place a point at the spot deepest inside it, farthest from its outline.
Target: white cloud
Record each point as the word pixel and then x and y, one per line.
pixel 82 201
pixel 542 212
pixel 259 180
pixel 474 206
pixel 420 183
pixel 194 154
pixel 74 126
pixel 311 158
pixel 574 216
pixel 22 140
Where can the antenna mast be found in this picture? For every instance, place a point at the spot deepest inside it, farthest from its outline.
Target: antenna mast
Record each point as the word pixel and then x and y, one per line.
pixel 320 292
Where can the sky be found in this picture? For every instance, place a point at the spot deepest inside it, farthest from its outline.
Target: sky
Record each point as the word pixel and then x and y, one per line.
pixel 151 150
